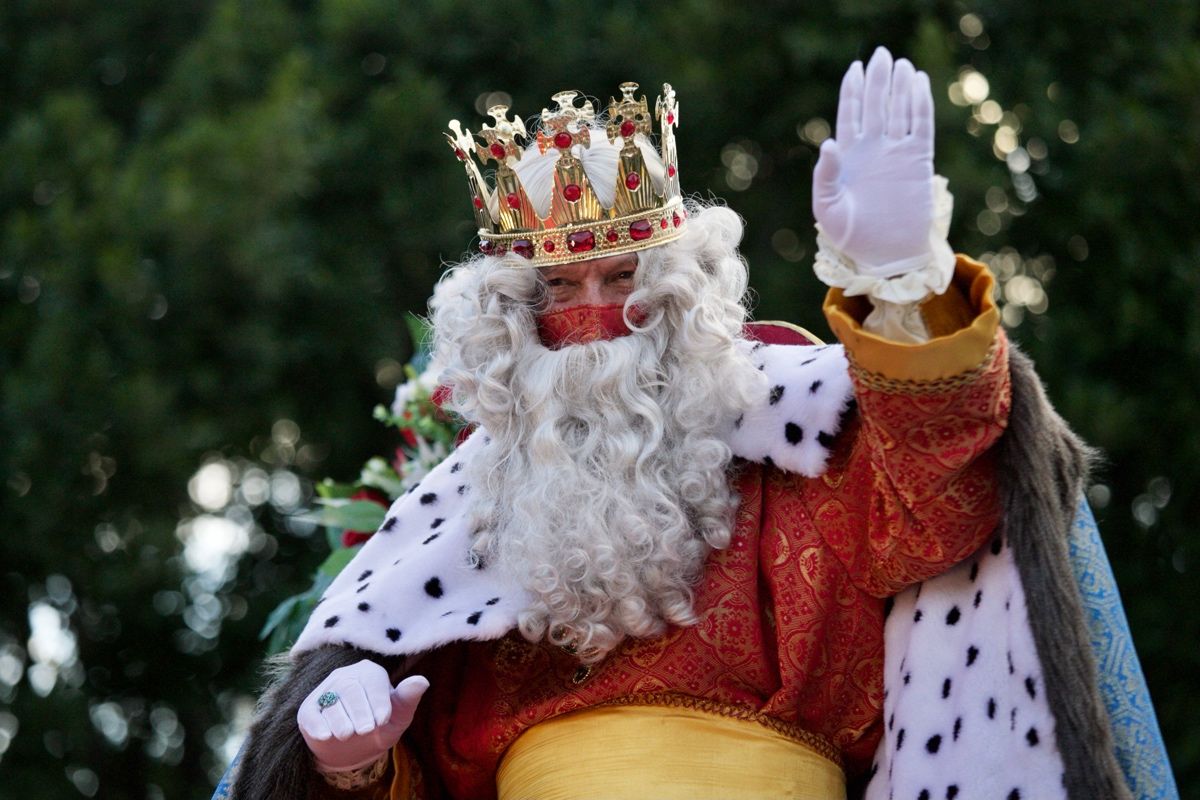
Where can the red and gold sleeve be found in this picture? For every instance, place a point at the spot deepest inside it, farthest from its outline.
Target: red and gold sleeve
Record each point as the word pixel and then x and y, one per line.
pixel 911 487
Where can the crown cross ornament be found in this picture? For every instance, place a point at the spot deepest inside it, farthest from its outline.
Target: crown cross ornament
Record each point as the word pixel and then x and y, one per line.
pixel 647 209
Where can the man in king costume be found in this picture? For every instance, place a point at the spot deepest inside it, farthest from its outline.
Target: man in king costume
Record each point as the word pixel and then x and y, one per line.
pixel 683 554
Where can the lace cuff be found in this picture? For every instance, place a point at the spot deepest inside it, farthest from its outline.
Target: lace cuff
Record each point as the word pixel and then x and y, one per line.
pixel 928 274
pixel 359 778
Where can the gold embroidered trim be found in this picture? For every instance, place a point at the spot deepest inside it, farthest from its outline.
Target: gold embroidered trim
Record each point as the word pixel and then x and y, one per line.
pixel 351 779
pixel 813 741
pixel 879 382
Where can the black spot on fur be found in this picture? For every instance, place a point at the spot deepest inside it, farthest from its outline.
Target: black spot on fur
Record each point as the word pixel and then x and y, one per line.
pixel 991 709
pixel 891 722
pixel 814 386
pixel 1015 794
pixel 1031 736
pixel 431 538
pixel 462 488
pixel 953 617
pixel 392 633
pixel 366 574
pixel 1031 687
pixel 825 440
pixel 737 423
pixel 899 740
pixel 429 498
pixel 978 598
pixel 492 602
pixel 757 346
pixel 974 571
pixel 907 678
pixel 362 588
pixel 996 545
pixel 364 606
pixel 934 743
pixel 957 727
pixel 388 524
pixel 946 688
pixel 767 460
pixel 413 488
pixel 433 587
pixel 972 654
pixel 329 623
pixel 917 616
pixel 1012 719
pixel 776 394
pixel 924 795
pixel 794 433
pixel 436 523
pixel 457 466
pixel 806 362
pixel 474 618
pixel 951 792
pixel 1010 664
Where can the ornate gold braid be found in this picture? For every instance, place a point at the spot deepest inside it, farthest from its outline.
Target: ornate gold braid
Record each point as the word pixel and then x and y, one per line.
pixel 813 741
pixel 888 385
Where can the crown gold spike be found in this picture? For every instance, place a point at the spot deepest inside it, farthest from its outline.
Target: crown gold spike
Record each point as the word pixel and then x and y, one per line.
pixel 579 227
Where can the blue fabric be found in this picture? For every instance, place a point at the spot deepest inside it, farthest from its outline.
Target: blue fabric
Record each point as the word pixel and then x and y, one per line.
pixel 1139 744
pixel 224 789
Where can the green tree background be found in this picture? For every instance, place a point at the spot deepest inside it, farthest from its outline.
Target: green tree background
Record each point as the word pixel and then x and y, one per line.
pixel 214 215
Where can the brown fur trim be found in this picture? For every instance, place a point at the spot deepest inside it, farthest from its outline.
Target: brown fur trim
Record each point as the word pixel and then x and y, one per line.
pixel 276 763
pixel 1043 466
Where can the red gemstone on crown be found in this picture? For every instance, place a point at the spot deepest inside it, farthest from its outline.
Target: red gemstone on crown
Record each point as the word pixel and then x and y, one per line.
pixel 640 230
pixel 572 192
pixel 486 247
pixel 676 220
pixel 478 203
pixel 663 224
pixel 563 140
pixel 670 119
pixel 497 150
pixel 548 246
pixel 628 128
pixel 523 247
pixel 632 181
pixel 612 235
pixel 459 154
pixel 514 202
pixel 671 171
pixel 581 241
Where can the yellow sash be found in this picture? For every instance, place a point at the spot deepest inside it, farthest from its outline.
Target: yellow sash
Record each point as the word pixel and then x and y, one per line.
pixel 667 752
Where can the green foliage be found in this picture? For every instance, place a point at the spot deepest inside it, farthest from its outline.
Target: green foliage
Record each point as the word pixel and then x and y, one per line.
pixel 214 217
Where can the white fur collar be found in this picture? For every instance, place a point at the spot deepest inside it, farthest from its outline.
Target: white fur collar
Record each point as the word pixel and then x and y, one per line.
pixel 414 587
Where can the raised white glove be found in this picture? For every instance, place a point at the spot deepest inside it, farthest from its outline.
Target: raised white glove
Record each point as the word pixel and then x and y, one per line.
pixel 361 716
pixel 873 190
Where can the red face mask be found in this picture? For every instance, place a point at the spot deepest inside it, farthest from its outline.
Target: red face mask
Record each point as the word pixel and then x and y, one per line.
pixel 582 324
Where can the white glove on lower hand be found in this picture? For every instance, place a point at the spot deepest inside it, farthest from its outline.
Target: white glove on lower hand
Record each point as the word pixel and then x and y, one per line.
pixel 361 717
pixel 873 183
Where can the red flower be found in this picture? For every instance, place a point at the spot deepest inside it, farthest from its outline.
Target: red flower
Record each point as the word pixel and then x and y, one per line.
pixel 351 538
pixel 398 460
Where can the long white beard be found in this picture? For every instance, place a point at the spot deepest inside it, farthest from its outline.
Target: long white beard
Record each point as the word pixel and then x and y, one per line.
pixel 606 486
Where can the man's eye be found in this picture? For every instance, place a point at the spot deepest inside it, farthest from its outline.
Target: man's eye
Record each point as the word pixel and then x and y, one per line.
pixel 556 282
pixel 625 276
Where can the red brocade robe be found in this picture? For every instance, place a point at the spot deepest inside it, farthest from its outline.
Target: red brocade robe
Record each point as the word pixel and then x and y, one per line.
pixel 791 614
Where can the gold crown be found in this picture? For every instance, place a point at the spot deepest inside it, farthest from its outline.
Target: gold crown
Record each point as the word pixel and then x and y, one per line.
pixel 579 226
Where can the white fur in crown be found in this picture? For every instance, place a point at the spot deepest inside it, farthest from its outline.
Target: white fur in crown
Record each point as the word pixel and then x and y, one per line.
pixel 965 709
pixel 413 586
pixel 794 425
